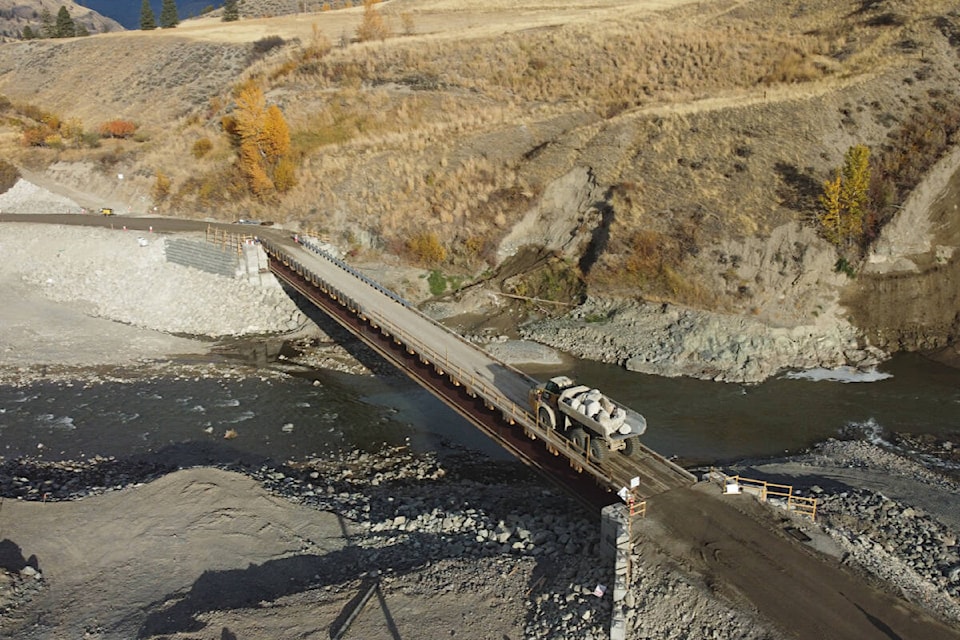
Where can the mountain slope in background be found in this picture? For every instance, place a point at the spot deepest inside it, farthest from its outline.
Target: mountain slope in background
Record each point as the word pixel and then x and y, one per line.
pixel 17 14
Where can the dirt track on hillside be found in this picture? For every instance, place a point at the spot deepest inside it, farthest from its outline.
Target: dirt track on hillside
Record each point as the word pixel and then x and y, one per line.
pixel 741 550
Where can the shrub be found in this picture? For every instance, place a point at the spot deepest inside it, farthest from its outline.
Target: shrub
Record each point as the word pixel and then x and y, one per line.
pixel 843 266
pixel 426 248
pixel 9 174
pixel 161 187
pixel 33 136
pixel 265 45
pixel 117 129
pixel 201 148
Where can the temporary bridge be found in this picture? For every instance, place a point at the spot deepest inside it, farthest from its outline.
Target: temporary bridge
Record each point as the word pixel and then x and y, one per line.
pixel 489 393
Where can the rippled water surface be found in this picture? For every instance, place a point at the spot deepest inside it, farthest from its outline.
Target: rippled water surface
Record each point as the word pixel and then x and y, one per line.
pixel 293 418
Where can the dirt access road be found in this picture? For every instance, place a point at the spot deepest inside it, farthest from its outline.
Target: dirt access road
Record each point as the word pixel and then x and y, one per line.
pixel 740 549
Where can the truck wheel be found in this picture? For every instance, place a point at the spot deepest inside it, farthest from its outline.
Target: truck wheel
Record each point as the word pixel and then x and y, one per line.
pixel 631 448
pixel 598 449
pixel 579 438
pixel 544 418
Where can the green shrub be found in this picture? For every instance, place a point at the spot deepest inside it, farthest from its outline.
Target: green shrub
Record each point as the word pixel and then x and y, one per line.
pixel 843 266
pixel 437 282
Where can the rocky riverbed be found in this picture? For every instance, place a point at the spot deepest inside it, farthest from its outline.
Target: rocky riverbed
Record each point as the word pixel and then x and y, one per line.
pixel 431 525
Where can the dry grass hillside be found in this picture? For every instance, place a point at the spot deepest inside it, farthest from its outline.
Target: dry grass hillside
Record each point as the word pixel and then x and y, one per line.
pixel 665 149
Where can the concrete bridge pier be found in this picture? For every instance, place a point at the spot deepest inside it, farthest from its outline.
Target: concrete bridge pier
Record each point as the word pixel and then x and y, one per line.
pixel 615 541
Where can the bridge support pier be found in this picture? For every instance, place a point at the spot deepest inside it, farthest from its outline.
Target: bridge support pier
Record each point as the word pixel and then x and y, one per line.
pixel 615 540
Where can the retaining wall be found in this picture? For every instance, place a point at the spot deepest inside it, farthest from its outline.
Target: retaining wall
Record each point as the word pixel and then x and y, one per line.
pixel 206 256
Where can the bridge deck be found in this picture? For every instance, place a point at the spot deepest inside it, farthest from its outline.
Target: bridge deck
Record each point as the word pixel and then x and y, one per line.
pixel 503 389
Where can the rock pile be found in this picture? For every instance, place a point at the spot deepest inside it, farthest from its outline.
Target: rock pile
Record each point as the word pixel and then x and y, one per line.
pixel 898 543
pixel 105 273
pixel 672 341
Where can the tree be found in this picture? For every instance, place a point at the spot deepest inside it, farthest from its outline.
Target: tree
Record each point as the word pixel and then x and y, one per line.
pixel 64 27
pixel 854 189
pixel 168 14
pixel 845 198
pixel 372 26
pixel 81 30
pixel 28 33
pixel 231 11
pixel 47 26
pixel 831 210
pixel 147 21
pixel 264 140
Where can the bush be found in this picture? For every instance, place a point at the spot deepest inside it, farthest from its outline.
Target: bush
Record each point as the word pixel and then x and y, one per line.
pixel 201 148
pixel 117 129
pixel 34 136
pixel 265 45
pixel 9 174
pixel 426 248
pixel 161 187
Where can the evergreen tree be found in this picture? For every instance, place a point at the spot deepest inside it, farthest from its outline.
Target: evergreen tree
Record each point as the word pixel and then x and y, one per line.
pixel 147 21
pixel 81 30
pixel 168 14
pixel 231 11
pixel 28 33
pixel 48 28
pixel 65 27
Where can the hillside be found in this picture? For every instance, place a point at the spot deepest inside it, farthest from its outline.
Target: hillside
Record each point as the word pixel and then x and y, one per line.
pixel 663 150
pixel 17 14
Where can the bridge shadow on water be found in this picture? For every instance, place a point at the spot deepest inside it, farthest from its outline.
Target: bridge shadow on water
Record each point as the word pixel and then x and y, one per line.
pixel 343 337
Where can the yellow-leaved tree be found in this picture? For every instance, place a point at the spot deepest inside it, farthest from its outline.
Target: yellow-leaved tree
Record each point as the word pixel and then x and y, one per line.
pixel 845 198
pixel 830 212
pixel 854 190
pixel 263 137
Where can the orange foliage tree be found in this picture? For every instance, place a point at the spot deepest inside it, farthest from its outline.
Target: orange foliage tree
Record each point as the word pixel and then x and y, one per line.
pixel 263 138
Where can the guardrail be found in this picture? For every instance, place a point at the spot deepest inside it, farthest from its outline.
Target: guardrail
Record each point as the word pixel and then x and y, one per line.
pixel 765 490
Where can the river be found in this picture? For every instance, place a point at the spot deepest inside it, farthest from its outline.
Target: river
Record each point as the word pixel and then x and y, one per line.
pixel 297 416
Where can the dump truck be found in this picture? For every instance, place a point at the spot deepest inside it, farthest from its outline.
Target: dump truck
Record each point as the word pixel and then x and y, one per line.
pixel 593 422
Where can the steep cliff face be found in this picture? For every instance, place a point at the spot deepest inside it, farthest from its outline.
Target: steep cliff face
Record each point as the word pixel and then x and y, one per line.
pixel 908 295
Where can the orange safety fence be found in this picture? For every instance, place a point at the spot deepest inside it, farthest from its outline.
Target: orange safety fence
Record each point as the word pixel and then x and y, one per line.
pixel 801 504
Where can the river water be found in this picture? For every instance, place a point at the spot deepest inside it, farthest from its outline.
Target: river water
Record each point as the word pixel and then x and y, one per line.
pixel 294 417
